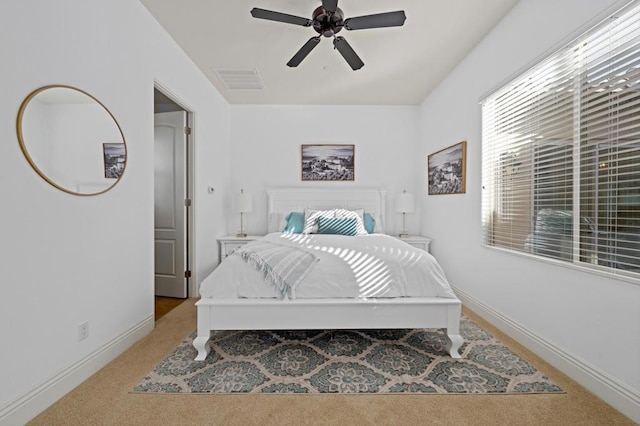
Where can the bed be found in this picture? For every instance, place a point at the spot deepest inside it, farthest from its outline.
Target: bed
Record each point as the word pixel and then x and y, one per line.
pixel 230 299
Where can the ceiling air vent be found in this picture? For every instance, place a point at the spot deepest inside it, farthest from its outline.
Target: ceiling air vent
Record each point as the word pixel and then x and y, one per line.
pixel 240 79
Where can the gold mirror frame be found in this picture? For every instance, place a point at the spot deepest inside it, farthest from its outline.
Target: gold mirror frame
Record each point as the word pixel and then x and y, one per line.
pixel 20 122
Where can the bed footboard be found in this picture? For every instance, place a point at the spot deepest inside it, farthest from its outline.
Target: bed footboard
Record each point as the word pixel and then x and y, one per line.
pixel 325 314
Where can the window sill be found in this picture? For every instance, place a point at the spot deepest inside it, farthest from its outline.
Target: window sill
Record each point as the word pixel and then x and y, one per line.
pixel 594 270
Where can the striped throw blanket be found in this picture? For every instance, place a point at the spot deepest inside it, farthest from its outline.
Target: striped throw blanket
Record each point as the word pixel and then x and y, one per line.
pixel 284 267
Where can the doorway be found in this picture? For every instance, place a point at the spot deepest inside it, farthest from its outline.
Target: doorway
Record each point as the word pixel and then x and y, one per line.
pixel 172 200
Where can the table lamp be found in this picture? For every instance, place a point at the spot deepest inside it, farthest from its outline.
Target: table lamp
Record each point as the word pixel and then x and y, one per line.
pixel 243 203
pixel 405 203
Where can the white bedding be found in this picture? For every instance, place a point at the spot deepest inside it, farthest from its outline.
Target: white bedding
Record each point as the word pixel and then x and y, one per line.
pixel 365 266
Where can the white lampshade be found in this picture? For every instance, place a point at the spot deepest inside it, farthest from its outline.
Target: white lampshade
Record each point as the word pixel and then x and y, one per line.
pixel 243 202
pixel 405 203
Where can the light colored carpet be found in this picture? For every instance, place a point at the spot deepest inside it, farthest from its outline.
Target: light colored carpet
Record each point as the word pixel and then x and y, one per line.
pixel 106 398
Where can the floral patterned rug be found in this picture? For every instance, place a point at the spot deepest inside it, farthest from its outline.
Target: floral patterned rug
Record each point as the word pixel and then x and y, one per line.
pixel 347 361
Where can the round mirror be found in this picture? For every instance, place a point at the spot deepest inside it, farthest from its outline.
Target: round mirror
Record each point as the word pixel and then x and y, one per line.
pixel 71 140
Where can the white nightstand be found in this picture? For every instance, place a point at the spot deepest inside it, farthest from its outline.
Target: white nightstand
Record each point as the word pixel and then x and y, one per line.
pixel 230 242
pixel 417 241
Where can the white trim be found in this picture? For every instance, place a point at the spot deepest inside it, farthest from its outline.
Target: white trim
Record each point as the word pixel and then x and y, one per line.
pixel 609 389
pixel 33 402
pixel 191 235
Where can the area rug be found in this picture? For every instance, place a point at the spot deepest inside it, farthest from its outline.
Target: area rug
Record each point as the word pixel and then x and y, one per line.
pixel 347 361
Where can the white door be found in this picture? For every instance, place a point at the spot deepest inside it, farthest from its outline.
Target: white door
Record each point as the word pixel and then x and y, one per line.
pixel 170 193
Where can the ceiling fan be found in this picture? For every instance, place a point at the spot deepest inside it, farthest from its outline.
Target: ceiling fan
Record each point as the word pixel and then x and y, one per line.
pixel 328 20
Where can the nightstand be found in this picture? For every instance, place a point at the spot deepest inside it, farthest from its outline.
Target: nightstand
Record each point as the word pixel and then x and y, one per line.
pixel 230 242
pixel 417 241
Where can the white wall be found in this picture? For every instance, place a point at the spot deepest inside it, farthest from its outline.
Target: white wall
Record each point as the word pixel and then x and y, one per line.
pixel 68 259
pixel 596 320
pixel 266 144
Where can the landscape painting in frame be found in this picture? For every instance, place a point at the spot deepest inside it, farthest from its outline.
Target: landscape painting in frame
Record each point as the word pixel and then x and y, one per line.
pixel 328 162
pixel 114 158
pixel 446 170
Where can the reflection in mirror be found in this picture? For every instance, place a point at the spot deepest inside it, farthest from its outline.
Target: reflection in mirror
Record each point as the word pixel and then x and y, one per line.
pixel 71 140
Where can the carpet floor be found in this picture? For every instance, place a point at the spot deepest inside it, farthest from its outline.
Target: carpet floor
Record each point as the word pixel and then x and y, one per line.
pixel 346 361
pixel 106 397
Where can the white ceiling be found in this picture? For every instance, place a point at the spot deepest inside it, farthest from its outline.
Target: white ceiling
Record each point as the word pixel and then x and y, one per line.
pixel 402 64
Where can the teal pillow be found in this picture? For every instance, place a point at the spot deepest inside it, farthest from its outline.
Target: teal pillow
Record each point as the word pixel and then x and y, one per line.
pixel 338 226
pixel 295 223
pixel 369 223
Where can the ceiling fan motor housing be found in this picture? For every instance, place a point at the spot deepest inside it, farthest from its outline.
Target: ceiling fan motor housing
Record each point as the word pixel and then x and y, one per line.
pixel 326 23
pixel 328 20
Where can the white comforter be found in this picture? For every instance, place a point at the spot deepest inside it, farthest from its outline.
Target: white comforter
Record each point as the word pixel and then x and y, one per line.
pixel 366 266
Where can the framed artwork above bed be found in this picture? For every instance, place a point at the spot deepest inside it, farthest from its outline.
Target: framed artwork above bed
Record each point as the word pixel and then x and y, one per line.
pixel 327 162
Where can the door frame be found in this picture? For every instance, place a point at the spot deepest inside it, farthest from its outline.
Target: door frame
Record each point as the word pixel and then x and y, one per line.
pixel 192 289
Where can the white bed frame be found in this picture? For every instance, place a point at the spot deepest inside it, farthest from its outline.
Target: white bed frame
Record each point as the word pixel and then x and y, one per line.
pixel 326 314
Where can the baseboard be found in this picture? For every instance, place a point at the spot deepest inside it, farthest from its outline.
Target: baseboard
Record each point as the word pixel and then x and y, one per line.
pixel 32 403
pixel 607 388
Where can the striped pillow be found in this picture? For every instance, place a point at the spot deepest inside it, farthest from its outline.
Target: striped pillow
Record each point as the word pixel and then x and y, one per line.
pixel 311 219
pixel 357 214
pixel 339 226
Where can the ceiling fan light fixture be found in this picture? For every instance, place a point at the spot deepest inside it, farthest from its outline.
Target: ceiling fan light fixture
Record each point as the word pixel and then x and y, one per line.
pixel 326 23
pixel 328 20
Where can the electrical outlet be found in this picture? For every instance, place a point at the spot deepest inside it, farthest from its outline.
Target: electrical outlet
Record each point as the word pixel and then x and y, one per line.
pixel 83 331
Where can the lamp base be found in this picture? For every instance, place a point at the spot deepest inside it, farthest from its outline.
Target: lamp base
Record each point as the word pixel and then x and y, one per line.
pixel 241 235
pixel 403 235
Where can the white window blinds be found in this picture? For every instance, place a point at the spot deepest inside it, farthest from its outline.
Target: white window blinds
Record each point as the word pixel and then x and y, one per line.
pixel 561 153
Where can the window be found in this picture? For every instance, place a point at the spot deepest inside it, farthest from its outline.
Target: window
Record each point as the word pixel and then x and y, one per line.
pixel 561 153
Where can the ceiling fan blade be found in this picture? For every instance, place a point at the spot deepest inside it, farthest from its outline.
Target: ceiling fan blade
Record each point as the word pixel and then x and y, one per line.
pixel 389 19
pixel 280 17
pixel 348 53
pixel 304 51
pixel 330 5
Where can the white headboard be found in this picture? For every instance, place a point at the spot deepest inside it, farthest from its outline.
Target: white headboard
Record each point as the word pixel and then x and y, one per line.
pixel 281 201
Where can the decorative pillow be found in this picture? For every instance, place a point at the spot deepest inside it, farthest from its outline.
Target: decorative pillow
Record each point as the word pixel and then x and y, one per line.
pixel 311 219
pixel 358 214
pixel 295 223
pixel 350 213
pixel 369 223
pixel 339 226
